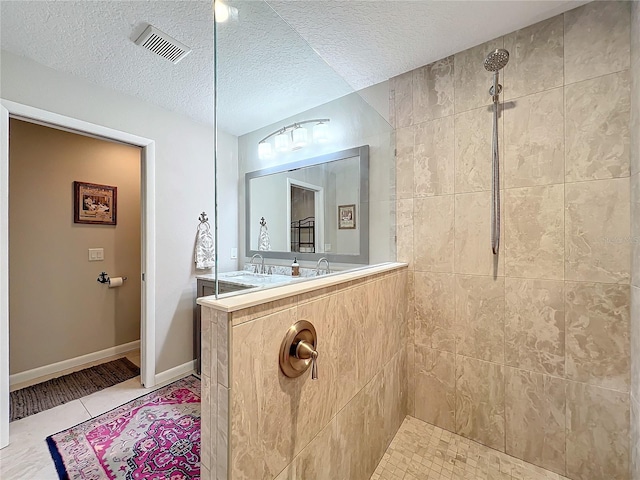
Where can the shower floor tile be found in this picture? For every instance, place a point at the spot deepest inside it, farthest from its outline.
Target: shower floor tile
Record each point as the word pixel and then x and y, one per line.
pixel 421 451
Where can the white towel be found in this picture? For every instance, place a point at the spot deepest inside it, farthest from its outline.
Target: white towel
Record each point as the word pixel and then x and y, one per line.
pixel 205 250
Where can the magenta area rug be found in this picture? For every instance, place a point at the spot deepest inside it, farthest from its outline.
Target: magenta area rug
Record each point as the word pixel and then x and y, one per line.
pixel 154 437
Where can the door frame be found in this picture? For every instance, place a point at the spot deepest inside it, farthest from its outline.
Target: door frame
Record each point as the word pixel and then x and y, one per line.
pixel 10 109
pixel 319 211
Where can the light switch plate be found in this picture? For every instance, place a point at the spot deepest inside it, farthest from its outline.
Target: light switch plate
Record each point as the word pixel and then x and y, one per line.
pixel 234 253
pixel 96 254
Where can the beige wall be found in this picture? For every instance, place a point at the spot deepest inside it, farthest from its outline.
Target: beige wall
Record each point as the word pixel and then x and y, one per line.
pixel 57 308
pixel 635 241
pixel 527 353
pixel 337 427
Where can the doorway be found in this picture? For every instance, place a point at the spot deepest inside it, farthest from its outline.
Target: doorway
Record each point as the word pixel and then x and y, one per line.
pixel 18 111
pixel 305 217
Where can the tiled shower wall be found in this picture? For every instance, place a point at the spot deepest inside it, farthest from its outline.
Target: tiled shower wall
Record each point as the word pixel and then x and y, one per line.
pixel 527 352
pixel 337 427
pixel 635 236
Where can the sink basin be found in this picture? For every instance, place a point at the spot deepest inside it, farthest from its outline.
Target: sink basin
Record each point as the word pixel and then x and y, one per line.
pixel 255 279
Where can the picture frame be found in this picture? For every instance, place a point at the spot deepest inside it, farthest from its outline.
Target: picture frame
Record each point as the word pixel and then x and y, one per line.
pixel 94 203
pixel 346 216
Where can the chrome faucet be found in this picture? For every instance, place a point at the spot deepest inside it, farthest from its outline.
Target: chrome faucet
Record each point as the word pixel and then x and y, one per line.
pixel 255 267
pixel 326 270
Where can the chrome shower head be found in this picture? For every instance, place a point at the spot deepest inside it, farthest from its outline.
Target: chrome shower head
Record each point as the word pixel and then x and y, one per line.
pixel 496 60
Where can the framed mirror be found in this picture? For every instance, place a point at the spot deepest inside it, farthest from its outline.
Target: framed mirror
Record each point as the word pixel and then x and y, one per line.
pixel 313 208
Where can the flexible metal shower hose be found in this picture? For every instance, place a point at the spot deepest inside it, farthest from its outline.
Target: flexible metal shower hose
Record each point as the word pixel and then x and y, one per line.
pixel 495 177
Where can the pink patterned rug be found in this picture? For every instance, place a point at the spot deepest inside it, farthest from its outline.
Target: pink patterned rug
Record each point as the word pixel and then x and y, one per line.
pixel 154 437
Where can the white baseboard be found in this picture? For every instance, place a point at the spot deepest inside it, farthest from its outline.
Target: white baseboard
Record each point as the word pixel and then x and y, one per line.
pixel 72 363
pixel 175 372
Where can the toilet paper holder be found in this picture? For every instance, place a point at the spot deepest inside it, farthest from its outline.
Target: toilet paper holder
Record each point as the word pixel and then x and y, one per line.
pixel 104 278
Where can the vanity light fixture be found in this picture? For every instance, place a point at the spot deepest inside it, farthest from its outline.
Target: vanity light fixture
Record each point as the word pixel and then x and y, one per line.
pixel 299 136
pixel 282 141
pixel 294 137
pixel 321 133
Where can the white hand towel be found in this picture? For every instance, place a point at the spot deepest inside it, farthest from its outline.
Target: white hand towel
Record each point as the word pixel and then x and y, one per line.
pixel 205 250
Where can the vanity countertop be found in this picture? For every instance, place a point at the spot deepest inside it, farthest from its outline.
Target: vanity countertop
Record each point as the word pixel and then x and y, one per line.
pixel 296 286
pixel 250 279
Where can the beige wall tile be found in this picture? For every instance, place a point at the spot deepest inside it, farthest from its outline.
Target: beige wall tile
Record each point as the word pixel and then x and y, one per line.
pixel 248 450
pixel 635 229
pixel 473 134
pixel 433 91
pixel 635 88
pixel 404 162
pixel 596 40
pixel 597 338
pixel 376 324
pixel 316 460
pixel 480 317
pixel 635 343
pixel 205 422
pixel 635 435
pixel 534 325
pixel 267 427
pixel 480 401
pixel 207 343
pixel 471 80
pixel 535 418
pixel 411 378
pixel 435 310
pixel 404 231
pixel 597 128
pixel 374 432
pixel 534 232
pixel 395 397
pixel 402 87
pixel 222 348
pixel 434 157
pixel 352 311
pixel 534 140
pixel 473 253
pixel 222 434
pixel 597 226
pixel 262 310
pixel 597 433
pixel 351 430
pixel 535 58
pixel 435 387
pixel 433 233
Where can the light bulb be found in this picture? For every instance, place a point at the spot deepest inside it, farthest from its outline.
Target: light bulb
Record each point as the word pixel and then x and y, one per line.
pixel 321 133
pixel 222 12
pixel 282 142
pixel 264 151
pixel 299 138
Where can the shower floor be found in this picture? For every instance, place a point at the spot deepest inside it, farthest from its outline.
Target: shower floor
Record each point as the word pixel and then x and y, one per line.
pixel 420 451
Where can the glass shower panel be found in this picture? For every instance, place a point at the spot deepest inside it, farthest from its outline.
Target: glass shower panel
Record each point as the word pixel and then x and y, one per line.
pixel 279 103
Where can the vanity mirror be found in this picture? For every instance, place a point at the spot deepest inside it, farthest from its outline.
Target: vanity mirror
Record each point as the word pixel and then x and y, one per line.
pixel 301 202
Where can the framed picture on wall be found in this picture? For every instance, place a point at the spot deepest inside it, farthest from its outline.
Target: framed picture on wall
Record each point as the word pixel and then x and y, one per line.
pixel 94 204
pixel 346 216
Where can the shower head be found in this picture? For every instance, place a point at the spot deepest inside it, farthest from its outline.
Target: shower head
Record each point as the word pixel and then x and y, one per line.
pixel 496 60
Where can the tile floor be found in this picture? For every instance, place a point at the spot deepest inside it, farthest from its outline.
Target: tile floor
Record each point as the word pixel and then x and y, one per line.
pixel 27 456
pixel 420 451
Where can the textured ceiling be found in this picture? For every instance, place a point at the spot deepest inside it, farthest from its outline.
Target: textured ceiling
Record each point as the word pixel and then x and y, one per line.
pixel 368 42
pixel 278 59
pixel 95 40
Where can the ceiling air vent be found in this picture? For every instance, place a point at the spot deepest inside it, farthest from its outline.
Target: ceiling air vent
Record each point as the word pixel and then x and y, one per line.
pixel 162 44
